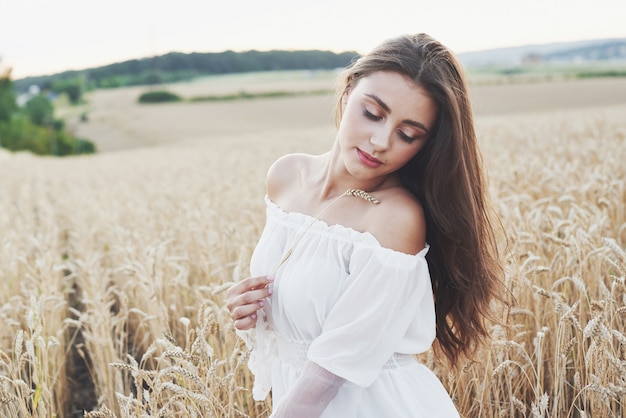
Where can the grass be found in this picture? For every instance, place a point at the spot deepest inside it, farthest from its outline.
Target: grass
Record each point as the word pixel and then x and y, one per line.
pixel 261 95
pixel 113 266
pixel 546 71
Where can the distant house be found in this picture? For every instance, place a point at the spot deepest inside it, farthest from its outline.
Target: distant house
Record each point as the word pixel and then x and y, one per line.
pixel 531 59
pixel 33 91
pixel 23 98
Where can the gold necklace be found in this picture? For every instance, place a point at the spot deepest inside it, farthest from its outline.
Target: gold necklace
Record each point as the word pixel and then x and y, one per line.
pixel 350 192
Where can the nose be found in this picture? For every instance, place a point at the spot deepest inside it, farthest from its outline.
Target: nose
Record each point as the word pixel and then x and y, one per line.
pixel 380 140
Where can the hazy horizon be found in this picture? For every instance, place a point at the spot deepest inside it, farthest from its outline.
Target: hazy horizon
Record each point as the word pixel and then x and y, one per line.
pixel 38 37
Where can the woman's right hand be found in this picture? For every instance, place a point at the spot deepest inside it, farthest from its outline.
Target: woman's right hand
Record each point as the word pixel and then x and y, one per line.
pixel 245 298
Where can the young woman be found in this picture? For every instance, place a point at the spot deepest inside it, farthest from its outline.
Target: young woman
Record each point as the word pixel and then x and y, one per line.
pixel 375 248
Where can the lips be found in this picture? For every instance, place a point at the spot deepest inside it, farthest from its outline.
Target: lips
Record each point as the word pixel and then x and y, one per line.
pixel 368 160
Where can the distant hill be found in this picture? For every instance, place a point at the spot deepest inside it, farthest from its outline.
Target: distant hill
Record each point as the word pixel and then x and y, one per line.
pixel 178 66
pixel 591 50
pixel 609 50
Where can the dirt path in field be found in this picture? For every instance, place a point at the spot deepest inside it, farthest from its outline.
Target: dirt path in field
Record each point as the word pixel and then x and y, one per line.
pixel 117 122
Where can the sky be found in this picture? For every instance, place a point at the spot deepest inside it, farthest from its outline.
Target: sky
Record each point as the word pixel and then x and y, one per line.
pixel 40 37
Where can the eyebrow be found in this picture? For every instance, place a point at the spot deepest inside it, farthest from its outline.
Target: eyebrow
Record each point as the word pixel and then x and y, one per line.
pixel 388 110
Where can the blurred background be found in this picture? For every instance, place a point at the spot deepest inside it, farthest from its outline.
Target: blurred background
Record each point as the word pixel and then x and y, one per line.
pixel 79 77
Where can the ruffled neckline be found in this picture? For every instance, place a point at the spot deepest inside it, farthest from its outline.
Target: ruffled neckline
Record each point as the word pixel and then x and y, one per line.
pixel 338 231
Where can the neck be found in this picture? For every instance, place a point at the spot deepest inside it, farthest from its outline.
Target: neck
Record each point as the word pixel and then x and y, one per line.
pixel 334 179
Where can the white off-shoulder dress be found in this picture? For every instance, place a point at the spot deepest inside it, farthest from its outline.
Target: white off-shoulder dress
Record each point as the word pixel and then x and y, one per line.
pixel 352 307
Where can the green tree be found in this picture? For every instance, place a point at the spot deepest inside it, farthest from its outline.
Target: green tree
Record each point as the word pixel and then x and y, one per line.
pixel 34 127
pixel 40 111
pixel 72 87
pixel 158 97
pixel 8 105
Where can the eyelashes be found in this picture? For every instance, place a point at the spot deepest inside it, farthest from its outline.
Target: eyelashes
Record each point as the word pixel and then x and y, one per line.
pixel 369 115
pixel 405 137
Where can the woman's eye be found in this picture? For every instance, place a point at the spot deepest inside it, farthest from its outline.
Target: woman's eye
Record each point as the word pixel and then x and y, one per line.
pixel 370 115
pixel 406 137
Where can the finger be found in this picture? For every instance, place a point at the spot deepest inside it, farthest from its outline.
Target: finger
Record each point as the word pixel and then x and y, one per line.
pixel 249 283
pixel 253 296
pixel 243 311
pixel 245 323
pixel 239 295
pixel 248 298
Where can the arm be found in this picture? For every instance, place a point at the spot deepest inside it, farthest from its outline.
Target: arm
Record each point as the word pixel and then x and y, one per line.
pixel 311 394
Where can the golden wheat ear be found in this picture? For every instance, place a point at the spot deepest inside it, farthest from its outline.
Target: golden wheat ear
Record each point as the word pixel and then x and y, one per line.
pixel 363 195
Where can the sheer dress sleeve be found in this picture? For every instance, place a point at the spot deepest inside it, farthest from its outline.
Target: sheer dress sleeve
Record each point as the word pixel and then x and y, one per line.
pixel 315 388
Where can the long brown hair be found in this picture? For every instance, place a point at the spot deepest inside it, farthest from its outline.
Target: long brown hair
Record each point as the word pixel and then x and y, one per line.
pixel 447 178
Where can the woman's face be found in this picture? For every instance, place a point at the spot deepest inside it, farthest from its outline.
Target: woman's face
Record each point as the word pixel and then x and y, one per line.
pixel 386 120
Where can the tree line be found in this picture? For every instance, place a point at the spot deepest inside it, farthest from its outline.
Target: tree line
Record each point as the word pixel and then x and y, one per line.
pixel 177 66
pixel 32 126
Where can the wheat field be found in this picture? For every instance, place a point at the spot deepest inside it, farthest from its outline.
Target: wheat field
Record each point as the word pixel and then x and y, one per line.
pixel 113 269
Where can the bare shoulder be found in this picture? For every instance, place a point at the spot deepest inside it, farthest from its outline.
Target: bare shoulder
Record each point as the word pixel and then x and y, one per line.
pixel 284 172
pixel 398 222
